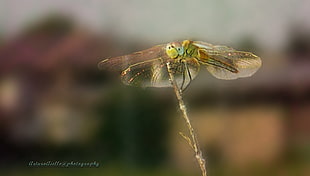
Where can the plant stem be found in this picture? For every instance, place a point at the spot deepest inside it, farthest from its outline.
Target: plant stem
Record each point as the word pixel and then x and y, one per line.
pixel 192 141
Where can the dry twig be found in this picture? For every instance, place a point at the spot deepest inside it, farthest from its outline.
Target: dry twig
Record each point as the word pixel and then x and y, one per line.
pixel 192 140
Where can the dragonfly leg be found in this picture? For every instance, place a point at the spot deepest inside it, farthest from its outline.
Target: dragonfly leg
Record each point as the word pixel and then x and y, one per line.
pixel 189 75
pixel 183 76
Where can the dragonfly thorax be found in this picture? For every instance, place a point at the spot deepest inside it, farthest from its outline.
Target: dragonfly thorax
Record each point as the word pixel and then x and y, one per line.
pixel 190 50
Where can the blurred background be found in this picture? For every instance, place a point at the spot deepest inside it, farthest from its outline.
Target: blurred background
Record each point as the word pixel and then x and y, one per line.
pixel 55 105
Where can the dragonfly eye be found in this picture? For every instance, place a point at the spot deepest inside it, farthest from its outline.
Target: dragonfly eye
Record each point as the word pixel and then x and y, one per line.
pixel 180 50
pixel 172 51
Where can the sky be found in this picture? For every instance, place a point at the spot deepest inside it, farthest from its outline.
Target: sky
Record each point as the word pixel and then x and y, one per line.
pixel 224 21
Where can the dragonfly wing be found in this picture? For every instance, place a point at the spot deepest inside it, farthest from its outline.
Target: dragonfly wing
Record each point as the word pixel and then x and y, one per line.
pixel 226 63
pixel 154 73
pixel 122 62
pixel 151 73
pixel 208 46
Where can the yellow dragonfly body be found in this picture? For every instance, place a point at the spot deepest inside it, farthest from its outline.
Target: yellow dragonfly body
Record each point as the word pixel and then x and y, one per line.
pixel 148 68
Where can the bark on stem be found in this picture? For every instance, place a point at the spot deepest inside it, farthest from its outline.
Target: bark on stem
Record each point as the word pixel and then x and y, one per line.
pixel 192 141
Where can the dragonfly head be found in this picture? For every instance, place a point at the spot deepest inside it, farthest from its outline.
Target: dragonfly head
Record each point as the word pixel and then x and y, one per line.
pixel 174 49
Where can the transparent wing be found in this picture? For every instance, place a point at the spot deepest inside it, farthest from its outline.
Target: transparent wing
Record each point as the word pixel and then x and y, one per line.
pixel 226 63
pixel 154 73
pixel 122 62
pixel 151 73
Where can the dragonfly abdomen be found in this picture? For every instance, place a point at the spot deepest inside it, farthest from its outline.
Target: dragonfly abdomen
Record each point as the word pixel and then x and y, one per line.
pixel 204 58
pixel 222 65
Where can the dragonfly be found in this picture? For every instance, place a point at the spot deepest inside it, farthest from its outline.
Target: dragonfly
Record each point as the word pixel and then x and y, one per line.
pixel 148 68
